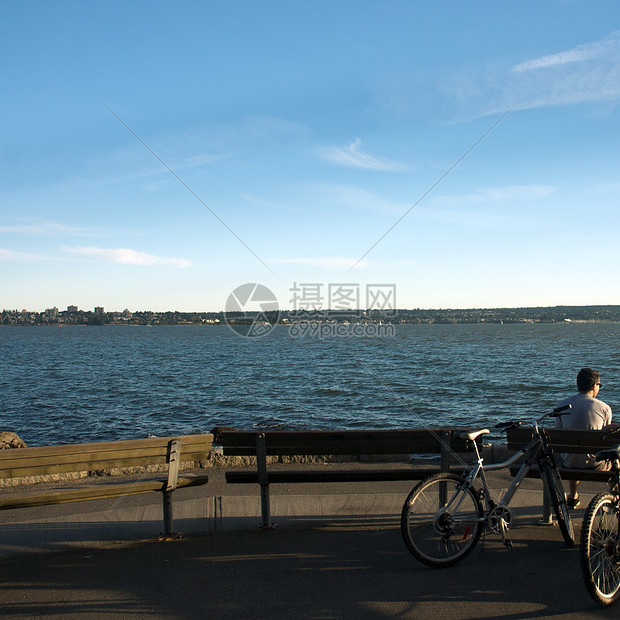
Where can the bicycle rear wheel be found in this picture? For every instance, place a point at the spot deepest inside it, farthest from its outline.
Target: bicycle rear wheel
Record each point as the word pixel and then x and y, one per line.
pixel 600 549
pixel 558 501
pixel 441 520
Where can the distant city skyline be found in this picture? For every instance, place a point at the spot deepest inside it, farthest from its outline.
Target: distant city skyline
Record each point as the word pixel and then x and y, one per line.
pixel 160 156
pixel 99 315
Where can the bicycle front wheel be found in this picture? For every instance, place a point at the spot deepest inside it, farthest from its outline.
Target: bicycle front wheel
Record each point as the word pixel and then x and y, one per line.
pixel 441 521
pixel 558 501
pixel 600 549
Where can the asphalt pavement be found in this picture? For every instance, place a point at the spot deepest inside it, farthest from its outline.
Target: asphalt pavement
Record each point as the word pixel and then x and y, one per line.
pixel 335 552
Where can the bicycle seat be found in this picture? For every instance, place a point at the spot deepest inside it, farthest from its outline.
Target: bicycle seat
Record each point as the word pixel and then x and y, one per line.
pixel 471 435
pixel 609 454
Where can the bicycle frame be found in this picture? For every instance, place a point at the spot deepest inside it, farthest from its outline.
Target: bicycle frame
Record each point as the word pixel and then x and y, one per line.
pixel 532 453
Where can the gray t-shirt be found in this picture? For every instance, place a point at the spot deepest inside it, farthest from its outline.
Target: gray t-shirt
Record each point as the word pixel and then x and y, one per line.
pixel 587 413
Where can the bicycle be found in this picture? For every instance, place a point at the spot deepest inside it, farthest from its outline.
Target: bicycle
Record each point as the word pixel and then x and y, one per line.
pixel 443 516
pixel 600 537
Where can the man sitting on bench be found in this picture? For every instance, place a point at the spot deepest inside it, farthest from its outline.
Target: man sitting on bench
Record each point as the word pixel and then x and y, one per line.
pixel 587 413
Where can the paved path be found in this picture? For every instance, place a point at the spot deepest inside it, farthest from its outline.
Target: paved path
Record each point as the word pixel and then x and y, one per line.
pixel 336 553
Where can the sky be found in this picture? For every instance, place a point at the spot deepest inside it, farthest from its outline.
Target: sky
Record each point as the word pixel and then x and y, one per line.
pixel 158 155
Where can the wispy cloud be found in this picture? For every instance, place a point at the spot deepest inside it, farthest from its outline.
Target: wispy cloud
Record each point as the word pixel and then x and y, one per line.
pixel 339 263
pixel 496 195
pixel 587 73
pixel 606 47
pixel 11 256
pixel 43 227
pixel 271 128
pixel 186 149
pixel 128 164
pixel 289 207
pixel 357 198
pixel 329 263
pixel 485 208
pixel 353 156
pixel 469 219
pixel 126 256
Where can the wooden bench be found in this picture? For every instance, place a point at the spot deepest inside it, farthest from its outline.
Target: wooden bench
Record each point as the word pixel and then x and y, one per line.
pixel 165 453
pixel 564 441
pixel 306 443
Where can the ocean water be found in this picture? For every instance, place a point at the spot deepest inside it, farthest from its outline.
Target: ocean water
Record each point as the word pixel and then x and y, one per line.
pixel 79 384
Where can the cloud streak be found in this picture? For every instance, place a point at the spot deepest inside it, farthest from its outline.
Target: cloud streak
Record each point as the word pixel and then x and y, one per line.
pixel 44 228
pixel 353 156
pixel 587 73
pixel 10 256
pixel 361 199
pixel 504 193
pixel 606 47
pixel 125 256
pixel 188 149
pixel 330 264
pixel 338 263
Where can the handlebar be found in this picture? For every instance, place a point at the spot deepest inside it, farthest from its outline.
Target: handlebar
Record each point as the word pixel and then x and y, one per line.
pixel 512 424
pixel 556 413
pixel 613 431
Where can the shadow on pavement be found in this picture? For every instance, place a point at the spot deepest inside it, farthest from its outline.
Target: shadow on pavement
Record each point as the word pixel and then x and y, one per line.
pixel 336 571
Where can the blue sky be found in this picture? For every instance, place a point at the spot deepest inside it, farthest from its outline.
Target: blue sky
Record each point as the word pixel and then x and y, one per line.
pixel 157 155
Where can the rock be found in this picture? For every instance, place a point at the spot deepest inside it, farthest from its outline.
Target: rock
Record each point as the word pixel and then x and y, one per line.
pixel 10 440
pixel 216 430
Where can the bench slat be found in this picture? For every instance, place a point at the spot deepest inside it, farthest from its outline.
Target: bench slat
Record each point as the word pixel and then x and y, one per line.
pixel 105 446
pixel 289 443
pixel 27 462
pixel 96 456
pixel 92 492
pixel 292 477
pixel 564 440
pixel 591 475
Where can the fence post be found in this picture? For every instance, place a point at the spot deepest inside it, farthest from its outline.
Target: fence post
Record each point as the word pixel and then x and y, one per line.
pixel 444 439
pixel 263 480
pixel 174 454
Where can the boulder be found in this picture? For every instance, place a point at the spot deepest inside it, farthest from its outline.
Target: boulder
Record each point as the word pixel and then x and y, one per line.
pixel 10 440
pixel 216 430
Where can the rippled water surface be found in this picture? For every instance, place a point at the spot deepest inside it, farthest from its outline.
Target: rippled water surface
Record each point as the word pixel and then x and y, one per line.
pixel 74 384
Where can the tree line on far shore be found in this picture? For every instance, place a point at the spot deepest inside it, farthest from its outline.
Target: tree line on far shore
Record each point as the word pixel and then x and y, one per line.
pixel 552 314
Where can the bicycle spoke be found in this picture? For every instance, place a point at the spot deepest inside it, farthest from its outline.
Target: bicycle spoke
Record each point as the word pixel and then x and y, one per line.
pixel 599 549
pixel 441 520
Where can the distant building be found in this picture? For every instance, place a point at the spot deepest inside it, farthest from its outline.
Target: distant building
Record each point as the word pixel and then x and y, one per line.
pixel 52 313
pixel 99 310
pixel 127 314
pixel 71 309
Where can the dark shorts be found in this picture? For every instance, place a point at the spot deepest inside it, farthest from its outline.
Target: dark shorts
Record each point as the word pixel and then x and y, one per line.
pixel 600 466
